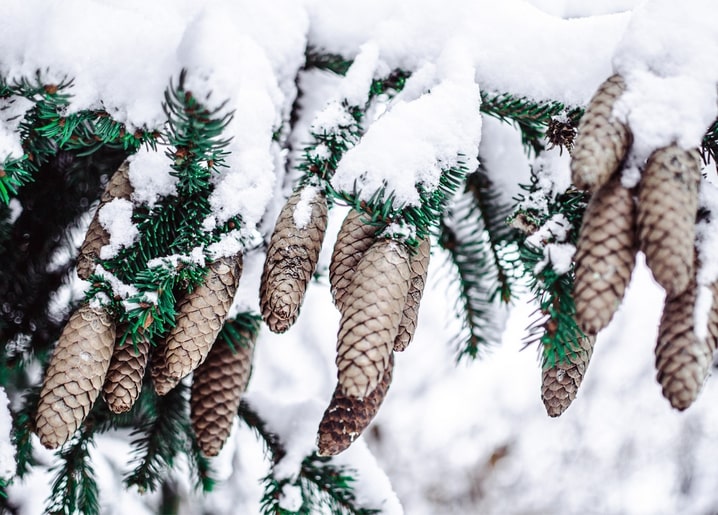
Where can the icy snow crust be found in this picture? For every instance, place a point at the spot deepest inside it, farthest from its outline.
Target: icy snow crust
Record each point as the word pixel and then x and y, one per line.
pixel 452 440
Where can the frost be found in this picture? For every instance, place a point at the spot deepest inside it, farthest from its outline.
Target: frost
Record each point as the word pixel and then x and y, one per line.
pixel 116 218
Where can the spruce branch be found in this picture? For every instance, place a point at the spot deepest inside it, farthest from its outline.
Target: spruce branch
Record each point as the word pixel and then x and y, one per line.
pixel 323 485
pixel 549 217
pixel 161 436
pixel 74 489
pixel 464 237
pixel 531 117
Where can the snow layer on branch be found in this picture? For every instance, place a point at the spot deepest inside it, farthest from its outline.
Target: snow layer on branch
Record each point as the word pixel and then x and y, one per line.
pixel 667 57
pixel 116 218
pixel 414 141
pixel 541 56
pixel 151 178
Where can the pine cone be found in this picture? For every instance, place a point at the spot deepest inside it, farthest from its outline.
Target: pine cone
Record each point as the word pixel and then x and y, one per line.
pixel 559 384
pixel 354 239
pixel 217 386
pixel 602 141
pixel 605 255
pixel 200 316
pixel 291 260
pixel 667 208
pixel 370 322
pixel 682 359
pixel 419 269
pixel 347 417
pixel 96 236
pixel 124 377
pixel 75 375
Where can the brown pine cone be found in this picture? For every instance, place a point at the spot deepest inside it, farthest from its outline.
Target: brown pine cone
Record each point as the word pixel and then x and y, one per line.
pixel 347 417
pixel 217 386
pixel 75 375
pixel 605 255
pixel 291 260
pixel 96 236
pixel 667 208
pixel 200 316
pixel 602 141
pixel 354 239
pixel 559 384
pixel 370 322
pixel 682 359
pixel 123 383
pixel 419 269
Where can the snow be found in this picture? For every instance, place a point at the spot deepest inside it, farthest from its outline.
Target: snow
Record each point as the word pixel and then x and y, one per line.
pixel 415 141
pixel 7 450
pixel 466 439
pixel 303 210
pixel 116 218
pixel 554 230
pixel 151 177
pixel 671 93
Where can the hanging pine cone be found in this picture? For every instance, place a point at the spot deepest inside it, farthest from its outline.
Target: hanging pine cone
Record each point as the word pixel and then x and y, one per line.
pixel 96 236
pixel 291 260
pixel 200 316
pixel 370 322
pixel 602 141
pixel 410 315
pixel 354 239
pixel 347 417
pixel 667 207
pixel 559 383
pixel 123 383
pixel 217 386
pixel 682 359
pixel 605 255
pixel 75 375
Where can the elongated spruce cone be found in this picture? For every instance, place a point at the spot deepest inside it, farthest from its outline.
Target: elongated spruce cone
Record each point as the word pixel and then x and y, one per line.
pixel 354 239
pixel 370 322
pixel 410 315
pixel 560 383
pixel 605 255
pixel 291 260
pixel 217 388
pixel 667 208
pixel 200 317
pixel 75 375
pixel 347 417
pixel 96 237
pixel 603 141
pixel 682 359
pixel 123 383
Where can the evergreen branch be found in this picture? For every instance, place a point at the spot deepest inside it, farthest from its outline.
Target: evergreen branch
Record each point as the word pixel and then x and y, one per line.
pixel 23 423
pixel 315 58
pixel 74 489
pixel 323 485
pixel 532 118
pixel 709 147
pixel 554 325
pixel 464 238
pixel 159 438
pixel 503 239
